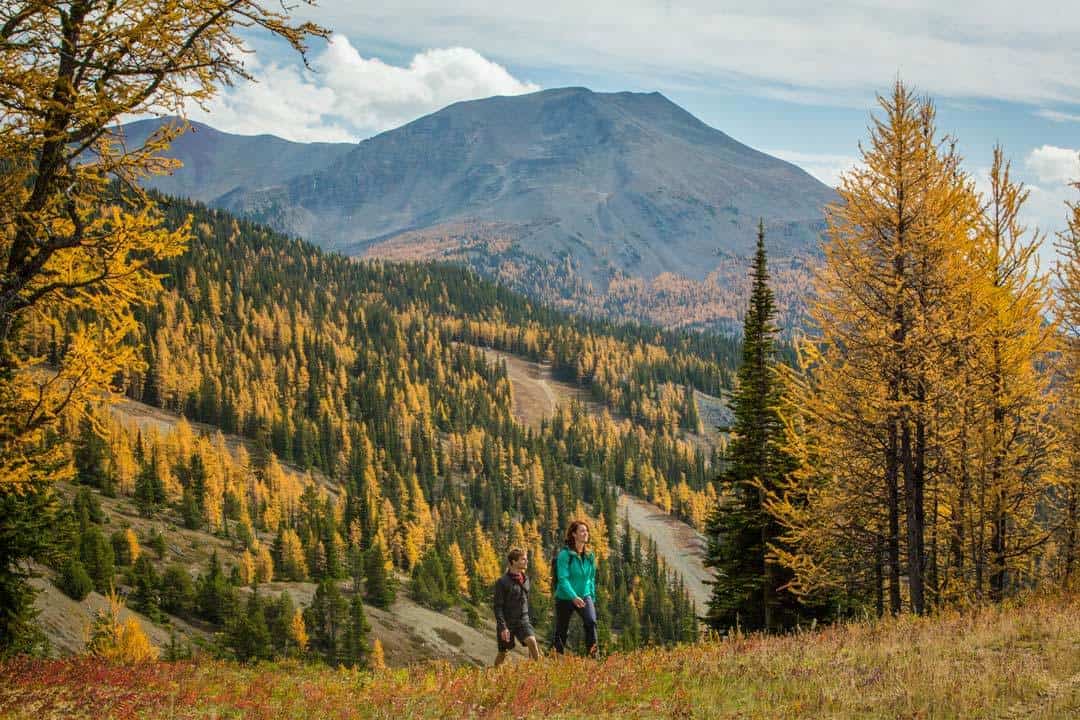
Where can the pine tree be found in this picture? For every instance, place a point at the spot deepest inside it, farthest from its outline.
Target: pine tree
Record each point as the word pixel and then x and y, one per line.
pixel 356 650
pixel 378 659
pixel 264 565
pixel 90 458
pixel 96 554
pixel 459 574
pixel 293 565
pixel 248 635
pixel 177 590
pixel 747 587
pixel 145 596
pixel 327 621
pixel 74 580
pixel 149 490
pixel 298 635
pixel 378 584
pixel 216 599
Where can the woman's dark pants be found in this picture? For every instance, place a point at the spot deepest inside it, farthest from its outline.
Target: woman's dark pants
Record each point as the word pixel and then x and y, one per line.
pixel 564 609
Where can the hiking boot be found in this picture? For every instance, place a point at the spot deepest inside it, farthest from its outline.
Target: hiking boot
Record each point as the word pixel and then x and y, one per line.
pixel 594 651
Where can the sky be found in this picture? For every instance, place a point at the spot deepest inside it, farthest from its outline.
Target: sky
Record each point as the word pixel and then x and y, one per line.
pixel 794 79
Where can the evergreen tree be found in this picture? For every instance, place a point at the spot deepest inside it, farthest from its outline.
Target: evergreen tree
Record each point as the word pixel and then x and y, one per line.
pixel 378 584
pixel 189 510
pixel 90 458
pixel 27 521
pixel 327 620
pixel 177 590
pixel 156 542
pixel 74 580
pixel 87 508
pixel 356 649
pixel 149 490
pixel 146 595
pixel 746 589
pixel 96 554
pixel 125 551
pixel 431 583
pixel 248 635
pixel 216 599
pixel 279 618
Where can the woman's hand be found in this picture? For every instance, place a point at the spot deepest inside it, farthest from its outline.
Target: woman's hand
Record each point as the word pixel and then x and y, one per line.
pixel 578 602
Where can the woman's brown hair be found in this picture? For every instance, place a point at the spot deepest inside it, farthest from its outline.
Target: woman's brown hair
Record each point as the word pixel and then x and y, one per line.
pixel 572 529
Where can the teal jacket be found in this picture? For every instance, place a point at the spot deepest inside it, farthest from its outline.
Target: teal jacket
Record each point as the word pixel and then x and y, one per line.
pixel 575 575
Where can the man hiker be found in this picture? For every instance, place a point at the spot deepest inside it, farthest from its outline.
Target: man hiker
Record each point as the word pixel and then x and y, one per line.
pixel 512 607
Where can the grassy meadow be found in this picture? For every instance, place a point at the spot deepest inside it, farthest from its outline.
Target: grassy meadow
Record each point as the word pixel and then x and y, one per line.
pixel 1009 662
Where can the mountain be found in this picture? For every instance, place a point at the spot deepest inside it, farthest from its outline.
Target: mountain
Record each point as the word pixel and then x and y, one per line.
pixel 215 163
pixel 617 203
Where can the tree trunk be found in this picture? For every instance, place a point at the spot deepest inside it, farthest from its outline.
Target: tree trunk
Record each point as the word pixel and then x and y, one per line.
pixel 893 544
pixel 912 496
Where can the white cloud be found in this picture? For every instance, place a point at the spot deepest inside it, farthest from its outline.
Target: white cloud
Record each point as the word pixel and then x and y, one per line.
pixel 346 97
pixel 1058 116
pixel 283 102
pixel 377 96
pixel 1054 165
pixel 1045 210
pixel 825 167
pixel 978 49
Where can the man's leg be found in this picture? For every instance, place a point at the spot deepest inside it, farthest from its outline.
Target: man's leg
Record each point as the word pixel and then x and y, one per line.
pixel 534 647
pixel 504 646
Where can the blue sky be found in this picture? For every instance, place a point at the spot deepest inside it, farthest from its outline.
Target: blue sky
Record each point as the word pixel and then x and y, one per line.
pixel 793 79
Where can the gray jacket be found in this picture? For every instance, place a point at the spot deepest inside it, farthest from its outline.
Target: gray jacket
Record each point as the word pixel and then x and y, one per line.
pixel 511 601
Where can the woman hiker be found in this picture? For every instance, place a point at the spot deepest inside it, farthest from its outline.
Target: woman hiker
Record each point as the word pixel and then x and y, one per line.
pixel 512 607
pixel 575 587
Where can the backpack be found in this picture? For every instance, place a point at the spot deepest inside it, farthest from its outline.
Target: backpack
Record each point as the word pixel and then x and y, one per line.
pixel 555 570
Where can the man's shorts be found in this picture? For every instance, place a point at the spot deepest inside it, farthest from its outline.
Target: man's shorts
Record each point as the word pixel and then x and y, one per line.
pixel 522 631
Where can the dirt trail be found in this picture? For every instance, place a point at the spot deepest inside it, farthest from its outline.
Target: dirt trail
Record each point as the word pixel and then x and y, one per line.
pixel 681 546
pixel 536 393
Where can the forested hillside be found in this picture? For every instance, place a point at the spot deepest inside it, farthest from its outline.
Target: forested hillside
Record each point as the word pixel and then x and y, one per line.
pixel 370 375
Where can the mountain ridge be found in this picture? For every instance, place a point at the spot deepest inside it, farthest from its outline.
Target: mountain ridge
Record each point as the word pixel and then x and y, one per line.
pixel 565 194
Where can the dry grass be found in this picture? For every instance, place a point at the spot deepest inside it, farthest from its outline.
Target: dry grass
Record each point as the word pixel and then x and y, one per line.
pixel 1020 662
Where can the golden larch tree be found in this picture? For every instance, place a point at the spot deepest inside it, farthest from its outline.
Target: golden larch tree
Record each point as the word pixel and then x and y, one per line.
pixel 896 272
pixel 78 233
pixel 1067 497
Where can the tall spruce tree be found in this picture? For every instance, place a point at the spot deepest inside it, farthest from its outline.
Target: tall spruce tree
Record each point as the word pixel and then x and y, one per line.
pixel 746 590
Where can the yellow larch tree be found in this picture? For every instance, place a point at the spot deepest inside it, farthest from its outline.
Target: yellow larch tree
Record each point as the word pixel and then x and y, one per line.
pixel 461 572
pixel 1066 560
pixel 78 235
pixel 868 405
pixel 1014 444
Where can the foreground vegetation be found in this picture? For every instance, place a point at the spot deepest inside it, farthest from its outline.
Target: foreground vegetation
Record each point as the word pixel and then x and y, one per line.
pixel 1006 661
